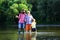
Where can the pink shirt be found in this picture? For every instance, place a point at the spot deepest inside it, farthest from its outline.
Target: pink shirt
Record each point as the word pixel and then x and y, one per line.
pixel 21 18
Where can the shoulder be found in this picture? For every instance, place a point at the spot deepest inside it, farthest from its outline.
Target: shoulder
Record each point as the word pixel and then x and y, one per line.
pixel 31 16
pixel 25 14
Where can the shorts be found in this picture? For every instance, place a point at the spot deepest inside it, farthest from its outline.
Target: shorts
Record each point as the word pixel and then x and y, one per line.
pixel 33 29
pixel 21 25
pixel 28 27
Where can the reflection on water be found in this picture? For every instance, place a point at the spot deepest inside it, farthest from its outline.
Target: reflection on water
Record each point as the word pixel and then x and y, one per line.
pixel 34 36
pixel 27 36
pixel 20 37
pixel 48 38
pixel 30 36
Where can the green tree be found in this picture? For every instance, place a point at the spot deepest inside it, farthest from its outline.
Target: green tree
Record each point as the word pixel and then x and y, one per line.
pixel 46 11
pixel 10 8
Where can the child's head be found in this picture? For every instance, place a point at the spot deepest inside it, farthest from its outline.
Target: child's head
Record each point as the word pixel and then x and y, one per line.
pixel 33 20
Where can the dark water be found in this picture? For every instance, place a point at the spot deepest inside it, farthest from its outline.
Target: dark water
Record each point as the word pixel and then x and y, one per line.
pixel 13 35
pixel 46 33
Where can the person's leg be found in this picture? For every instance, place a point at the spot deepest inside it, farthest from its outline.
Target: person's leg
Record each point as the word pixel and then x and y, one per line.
pixel 23 26
pixel 30 28
pixel 19 27
pixel 35 31
pixel 26 28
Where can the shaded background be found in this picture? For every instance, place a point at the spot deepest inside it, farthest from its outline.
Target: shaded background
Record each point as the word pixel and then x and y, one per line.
pixel 44 11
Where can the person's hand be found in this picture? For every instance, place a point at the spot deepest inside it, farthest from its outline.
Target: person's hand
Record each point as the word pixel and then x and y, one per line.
pixel 16 16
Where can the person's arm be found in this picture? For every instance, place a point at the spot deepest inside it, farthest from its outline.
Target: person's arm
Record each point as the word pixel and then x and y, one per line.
pixel 25 17
pixel 19 16
pixel 35 23
pixel 16 16
pixel 32 17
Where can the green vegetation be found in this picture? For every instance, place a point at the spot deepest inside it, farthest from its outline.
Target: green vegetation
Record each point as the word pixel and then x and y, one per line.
pixel 9 9
pixel 44 11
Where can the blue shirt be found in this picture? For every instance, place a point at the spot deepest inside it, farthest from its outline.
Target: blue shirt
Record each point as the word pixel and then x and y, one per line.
pixel 28 19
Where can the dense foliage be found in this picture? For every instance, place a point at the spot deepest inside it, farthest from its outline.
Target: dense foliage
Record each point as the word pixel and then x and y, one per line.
pixel 9 9
pixel 44 11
